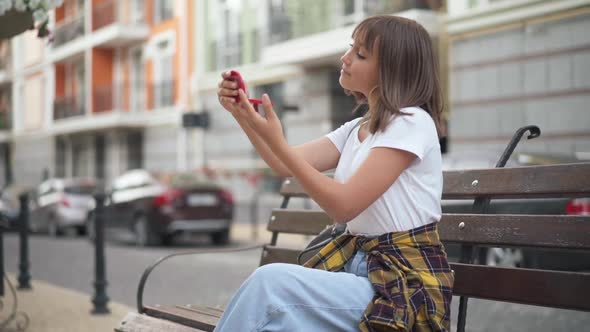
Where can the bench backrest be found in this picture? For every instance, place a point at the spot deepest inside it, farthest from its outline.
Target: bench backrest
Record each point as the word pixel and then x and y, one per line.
pixel 559 289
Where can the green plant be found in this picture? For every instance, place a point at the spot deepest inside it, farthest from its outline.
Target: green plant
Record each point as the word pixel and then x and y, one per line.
pixel 39 10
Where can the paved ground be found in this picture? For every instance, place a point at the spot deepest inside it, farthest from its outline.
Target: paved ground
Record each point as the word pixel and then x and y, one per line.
pixel 62 274
pixel 49 308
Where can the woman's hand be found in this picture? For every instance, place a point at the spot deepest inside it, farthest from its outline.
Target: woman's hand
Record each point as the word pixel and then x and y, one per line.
pixel 268 127
pixel 227 90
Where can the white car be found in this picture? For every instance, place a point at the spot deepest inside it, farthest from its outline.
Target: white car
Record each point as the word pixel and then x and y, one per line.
pixel 62 204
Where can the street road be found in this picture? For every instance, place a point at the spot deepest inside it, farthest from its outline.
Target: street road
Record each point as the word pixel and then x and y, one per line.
pixel 212 278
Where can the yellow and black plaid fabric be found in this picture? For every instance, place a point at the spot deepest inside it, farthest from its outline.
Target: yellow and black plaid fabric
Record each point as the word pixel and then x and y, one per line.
pixel 409 272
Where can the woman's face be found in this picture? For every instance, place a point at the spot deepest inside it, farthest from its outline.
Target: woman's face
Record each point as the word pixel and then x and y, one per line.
pixel 359 70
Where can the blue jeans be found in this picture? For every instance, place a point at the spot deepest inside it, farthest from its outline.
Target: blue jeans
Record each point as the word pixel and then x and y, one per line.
pixel 287 297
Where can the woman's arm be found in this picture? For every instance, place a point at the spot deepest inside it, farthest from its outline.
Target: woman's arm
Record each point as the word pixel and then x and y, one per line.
pixel 344 201
pixel 264 151
pixel 321 153
pixel 341 201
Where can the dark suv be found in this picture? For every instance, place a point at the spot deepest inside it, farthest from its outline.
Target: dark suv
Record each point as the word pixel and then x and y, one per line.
pixel 156 207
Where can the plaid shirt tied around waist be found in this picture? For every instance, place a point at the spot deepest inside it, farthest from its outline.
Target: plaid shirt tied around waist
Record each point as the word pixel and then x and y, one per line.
pixel 410 274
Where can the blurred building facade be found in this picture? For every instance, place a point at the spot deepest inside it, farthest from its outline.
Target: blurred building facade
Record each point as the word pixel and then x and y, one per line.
pixel 105 96
pixel 515 63
pixel 109 93
pixel 289 49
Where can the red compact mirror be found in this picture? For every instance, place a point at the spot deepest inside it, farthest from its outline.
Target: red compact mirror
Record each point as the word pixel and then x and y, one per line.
pixel 235 76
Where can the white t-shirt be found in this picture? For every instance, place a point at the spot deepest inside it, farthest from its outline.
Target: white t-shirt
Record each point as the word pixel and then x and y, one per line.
pixel 413 200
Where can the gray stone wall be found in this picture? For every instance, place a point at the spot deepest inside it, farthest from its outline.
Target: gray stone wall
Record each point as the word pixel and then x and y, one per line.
pixel 536 74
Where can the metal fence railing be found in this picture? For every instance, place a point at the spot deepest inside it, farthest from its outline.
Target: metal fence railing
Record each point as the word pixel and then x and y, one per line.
pixel 69 30
pixel 68 106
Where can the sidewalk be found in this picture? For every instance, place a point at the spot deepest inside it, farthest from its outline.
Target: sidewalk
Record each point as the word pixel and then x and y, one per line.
pixel 55 309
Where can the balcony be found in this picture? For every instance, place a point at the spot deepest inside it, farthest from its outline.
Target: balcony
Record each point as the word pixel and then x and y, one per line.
pixel 125 96
pixel 311 34
pixel 103 98
pixel 114 24
pixel 68 31
pixel 68 106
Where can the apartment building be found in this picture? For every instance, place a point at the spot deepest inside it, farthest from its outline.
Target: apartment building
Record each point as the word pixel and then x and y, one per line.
pixel 515 63
pixel 288 49
pixel 106 95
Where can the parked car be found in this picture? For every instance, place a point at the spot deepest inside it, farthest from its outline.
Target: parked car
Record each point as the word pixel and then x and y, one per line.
pixel 530 258
pixel 155 207
pixel 62 204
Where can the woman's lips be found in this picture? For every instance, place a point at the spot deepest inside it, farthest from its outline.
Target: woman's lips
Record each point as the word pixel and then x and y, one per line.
pixel 342 71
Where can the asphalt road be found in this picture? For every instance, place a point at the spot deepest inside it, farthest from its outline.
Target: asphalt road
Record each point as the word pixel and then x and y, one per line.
pixel 212 278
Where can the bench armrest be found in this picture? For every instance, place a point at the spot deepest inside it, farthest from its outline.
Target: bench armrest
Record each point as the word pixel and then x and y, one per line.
pixel 150 268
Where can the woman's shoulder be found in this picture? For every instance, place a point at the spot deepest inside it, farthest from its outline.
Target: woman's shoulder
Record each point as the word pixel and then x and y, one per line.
pixel 354 121
pixel 416 116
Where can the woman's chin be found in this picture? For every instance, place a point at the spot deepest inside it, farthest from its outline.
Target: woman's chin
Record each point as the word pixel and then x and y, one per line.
pixel 343 82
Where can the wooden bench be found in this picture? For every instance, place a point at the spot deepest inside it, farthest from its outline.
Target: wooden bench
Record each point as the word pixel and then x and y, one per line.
pixel 557 289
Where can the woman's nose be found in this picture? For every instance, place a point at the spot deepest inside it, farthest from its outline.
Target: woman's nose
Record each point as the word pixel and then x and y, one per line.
pixel 344 58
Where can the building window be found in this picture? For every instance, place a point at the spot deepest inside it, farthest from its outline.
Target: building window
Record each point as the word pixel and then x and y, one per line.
pixel 166 85
pixel 137 81
pixel 81 87
pixel 6 162
pixel 5 108
pixel 163 89
pixel 80 154
pixel 163 10
pixel 162 50
pixel 230 44
pixel 137 11
pixel 99 157
pixel 134 150
pixel 280 23
pixel 349 7
pixel 60 157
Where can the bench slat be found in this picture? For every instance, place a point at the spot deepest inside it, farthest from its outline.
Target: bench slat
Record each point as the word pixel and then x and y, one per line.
pixel 519 182
pixel 272 254
pixel 134 322
pixel 556 289
pixel 199 317
pixel 516 182
pixel 564 232
pixel 304 222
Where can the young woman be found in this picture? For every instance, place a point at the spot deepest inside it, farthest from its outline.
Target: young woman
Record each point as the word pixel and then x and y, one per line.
pixel 389 271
